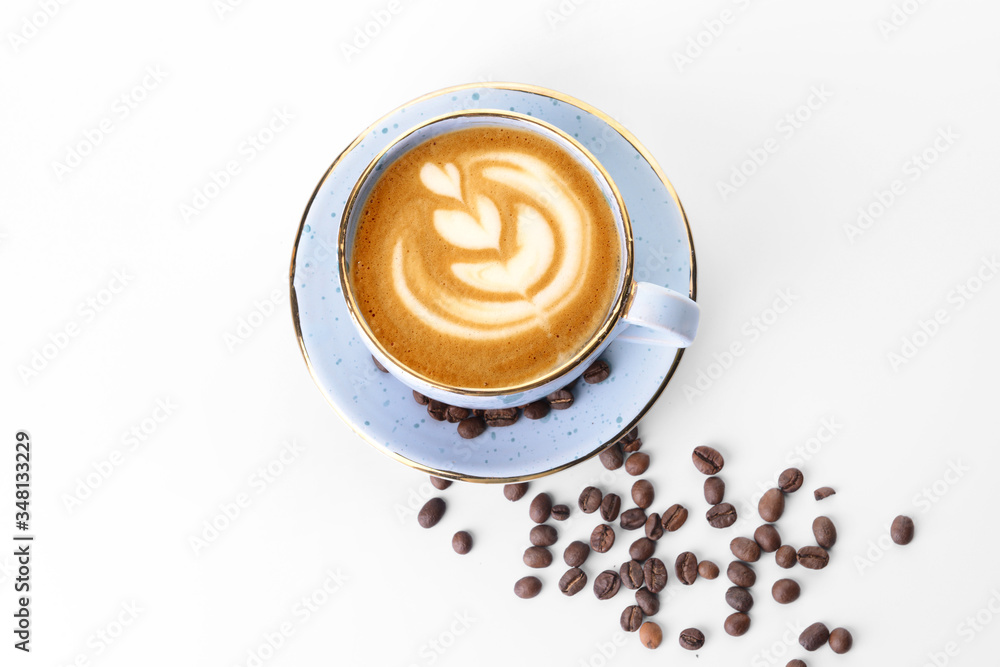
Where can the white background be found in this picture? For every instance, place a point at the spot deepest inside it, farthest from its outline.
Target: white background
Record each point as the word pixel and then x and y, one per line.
pixel 339 506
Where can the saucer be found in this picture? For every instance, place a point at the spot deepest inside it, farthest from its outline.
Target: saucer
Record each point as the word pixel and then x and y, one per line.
pixel 381 409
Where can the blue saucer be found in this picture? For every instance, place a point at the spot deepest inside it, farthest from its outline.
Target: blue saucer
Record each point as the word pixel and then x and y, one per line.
pixel 382 411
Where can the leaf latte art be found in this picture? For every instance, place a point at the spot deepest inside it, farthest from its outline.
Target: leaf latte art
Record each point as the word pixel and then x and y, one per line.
pixel 485 257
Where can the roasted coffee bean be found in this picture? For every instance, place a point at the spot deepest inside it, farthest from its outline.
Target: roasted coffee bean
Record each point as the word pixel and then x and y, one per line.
pixel 440 484
pixel 514 492
pixel 650 635
pixel 823 492
pixel 722 515
pixel 824 531
pixel 606 585
pixel 785 590
pixel 612 458
pixel 461 542
pixel 674 517
pixel 642 493
pixel 790 480
pixel 631 618
pixel 632 446
pixel 455 414
pixel 814 636
pixel 692 639
pixel 431 512
pixel 560 400
pixel 708 570
pixel 633 518
pixel 610 507
pixel 597 372
pixel 543 536
pixel 379 365
pixel 785 556
pixel 637 464
pixel 420 398
pixel 902 530
pixel 527 587
pixel 813 558
pixel 642 549
pixel 737 624
pixel 590 500
pixel 631 436
pixel 631 574
pixel 741 574
pixel 560 512
pixel 576 553
pixel 572 581
pixel 767 537
pixel 473 427
pixel 745 549
pixel 739 599
pixel 715 490
pixel 501 416
pixel 841 640
pixel 654 529
pixel 707 460
pixel 796 663
pixel 437 410
pixel 647 601
pixel 771 505
pixel 537 410
pixel 537 557
pixel 602 538
pixel 478 412
pixel 654 574
pixel 541 508
pixel 686 568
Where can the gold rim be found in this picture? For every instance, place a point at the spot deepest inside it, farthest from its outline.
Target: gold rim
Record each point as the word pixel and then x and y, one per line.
pixel 525 88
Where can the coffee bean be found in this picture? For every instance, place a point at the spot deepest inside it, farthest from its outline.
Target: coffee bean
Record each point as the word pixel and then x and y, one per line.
pixel 437 410
pixel 455 414
pixel 514 492
pixel 473 427
pixel 572 581
pixel 708 570
pixel 790 480
pixel 642 549
pixel 707 460
pixel 686 568
pixel 537 557
pixel 461 542
pixel 767 537
pixel 632 446
pixel 771 505
pixel 541 508
pixel 825 532
pixel 642 493
pixel 674 517
pixel 637 464
pixel 631 574
pixel 745 549
pixel 650 634
pixel 814 636
pixel 537 410
pixel 902 530
pixel 602 538
pixel 654 529
pixel 560 512
pixel 647 601
pixel 590 500
pixel 631 618
pixel 612 457
pixel 527 587
pixel 654 574
pixel 737 624
pixel 478 412
pixel 606 585
pixel 610 507
pixel 543 536
pixel 813 558
pixel 722 515
pixel 633 518
pixel 560 400
pixel 431 513
pixel 785 590
pixel 785 556
pixel 631 436
pixel 420 398
pixel 440 484
pixel 739 599
pixel 501 417
pixel 823 492
pixel 796 663
pixel 692 639
pixel 715 490
pixel 741 574
pixel 379 365
pixel 576 553
pixel 597 372
pixel 841 640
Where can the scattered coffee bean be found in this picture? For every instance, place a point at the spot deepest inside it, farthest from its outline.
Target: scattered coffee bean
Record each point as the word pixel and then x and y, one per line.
pixel 708 570
pixel 631 575
pixel 647 601
pixel 437 410
pixel 473 427
pixel 632 446
pixel 692 639
pixel 606 585
pixel 602 538
pixel 741 574
pixel 379 365
pixel 612 458
pixel 597 372
pixel 440 484
pixel 796 663
pixel 633 518
pixel 537 557
pixel 785 590
pixel 650 634
pixel 514 492
pixel 431 513
pixel 637 464
pixel 420 398
pixel 642 493
pixel 543 536
pixel 674 518
pixel 541 508
pixel 814 636
pixel 739 599
pixel 560 512
pixel 527 587
pixel 572 581
pixel 560 400
pixel 686 568
pixel 537 410
pixel 642 549
pixel 785 556
pixel 823 492
pixel 501 417
pixel 654 529
pixel 631 618
pixel 590 500
pixel 767 537
pixel 631 436
pixel 576 553
pixel 824 531
pixel 737 624
pixel 771 505
pixel 707 460
pixel 610 507
pixel 654 574
pixel 813 558
pixel 902 530
pixel 722 515
pixel 715 490
pixel 745 549
pixel 790 480
pixel 841 640
pixel 455 414
pixel 461 542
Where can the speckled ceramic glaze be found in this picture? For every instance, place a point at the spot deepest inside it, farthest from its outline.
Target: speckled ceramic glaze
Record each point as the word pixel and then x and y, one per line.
pixel 382 410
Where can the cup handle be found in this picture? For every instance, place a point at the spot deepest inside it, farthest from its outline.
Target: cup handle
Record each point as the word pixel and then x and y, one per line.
pixel 660 316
